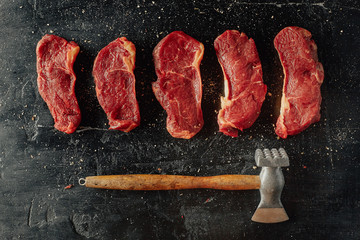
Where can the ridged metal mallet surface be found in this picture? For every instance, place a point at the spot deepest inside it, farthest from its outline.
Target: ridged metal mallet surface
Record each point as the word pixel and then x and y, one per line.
pixel 271 158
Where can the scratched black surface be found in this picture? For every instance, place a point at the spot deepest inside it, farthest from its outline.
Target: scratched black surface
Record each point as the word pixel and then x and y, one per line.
pixel 321 193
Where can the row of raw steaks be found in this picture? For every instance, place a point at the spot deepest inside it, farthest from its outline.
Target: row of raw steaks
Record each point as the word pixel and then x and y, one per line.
pixel 178 88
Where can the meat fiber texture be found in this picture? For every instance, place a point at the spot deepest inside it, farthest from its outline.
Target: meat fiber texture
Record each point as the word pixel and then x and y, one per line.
pixel 304 74
pixel 244 88
pixel 56 80
pixel 178 88
pixel 115 84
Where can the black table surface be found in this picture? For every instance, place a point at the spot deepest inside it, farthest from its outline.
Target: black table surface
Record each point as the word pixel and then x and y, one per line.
pixel 321 193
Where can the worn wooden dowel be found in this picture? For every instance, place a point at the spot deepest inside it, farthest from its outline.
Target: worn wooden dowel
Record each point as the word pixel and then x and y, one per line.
pixel 171 182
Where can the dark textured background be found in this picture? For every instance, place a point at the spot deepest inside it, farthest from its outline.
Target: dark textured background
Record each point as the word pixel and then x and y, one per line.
pixel 321 193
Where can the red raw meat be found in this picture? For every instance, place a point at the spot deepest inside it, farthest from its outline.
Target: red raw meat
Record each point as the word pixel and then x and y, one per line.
pixel 56 80
pixel 301 98
pixel 115 84
pixel 244 88
pixel 178 88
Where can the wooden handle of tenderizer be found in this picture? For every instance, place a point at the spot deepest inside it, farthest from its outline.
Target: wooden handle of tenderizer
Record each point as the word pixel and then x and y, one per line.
pixel 171 182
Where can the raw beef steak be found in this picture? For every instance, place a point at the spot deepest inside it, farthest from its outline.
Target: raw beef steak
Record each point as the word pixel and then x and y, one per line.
pixel 178 88
pixel 301 98
pixel 244 87
pixel 56 80
pixel 115 84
